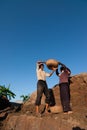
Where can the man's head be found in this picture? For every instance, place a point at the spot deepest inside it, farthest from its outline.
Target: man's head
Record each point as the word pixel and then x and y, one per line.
pixel 62 68
pixel 41 66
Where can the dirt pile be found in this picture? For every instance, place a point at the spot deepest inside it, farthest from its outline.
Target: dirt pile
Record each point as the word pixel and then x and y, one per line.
pixel 23 117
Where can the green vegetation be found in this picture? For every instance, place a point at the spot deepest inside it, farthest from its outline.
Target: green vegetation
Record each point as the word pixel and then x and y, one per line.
pixel 25 97
pixel 6 92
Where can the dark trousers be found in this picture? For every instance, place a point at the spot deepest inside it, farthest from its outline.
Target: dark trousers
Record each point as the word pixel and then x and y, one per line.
pixel 65 96
pixel 42 88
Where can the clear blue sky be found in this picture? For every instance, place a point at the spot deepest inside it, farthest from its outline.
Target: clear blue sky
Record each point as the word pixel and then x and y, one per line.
pixel 32 30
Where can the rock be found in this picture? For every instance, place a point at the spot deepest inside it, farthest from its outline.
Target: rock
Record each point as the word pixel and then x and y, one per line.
pixel 3 115
pixel 56 109
pixel 25 119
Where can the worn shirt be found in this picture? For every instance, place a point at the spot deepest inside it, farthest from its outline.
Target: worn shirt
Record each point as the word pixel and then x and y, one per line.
pixel 41 74
pixel 64 75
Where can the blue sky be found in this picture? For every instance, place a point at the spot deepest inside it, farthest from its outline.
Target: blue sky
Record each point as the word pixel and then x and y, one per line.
pixel 32 30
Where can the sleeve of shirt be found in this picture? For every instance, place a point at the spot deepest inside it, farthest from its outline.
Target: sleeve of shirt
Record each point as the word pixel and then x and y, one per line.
pixel 47 74
pixel 37 67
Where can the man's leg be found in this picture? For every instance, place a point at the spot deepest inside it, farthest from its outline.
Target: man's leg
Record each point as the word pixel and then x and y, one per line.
pixel 37 109
pixel 46 93
pixel 39 96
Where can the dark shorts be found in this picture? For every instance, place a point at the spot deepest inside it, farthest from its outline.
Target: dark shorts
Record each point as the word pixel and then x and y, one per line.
pixel 42 88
